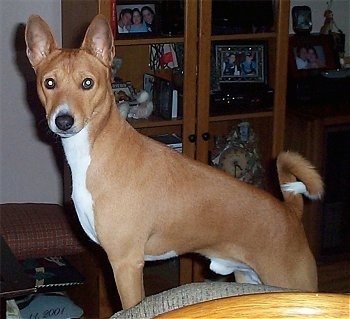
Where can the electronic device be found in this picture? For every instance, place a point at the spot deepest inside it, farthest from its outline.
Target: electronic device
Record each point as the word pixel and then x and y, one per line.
pixel 240 80
pixel 336 74
pixel 319 89
pixel 236 99
pixel 167 100
pixel 242 16
pixel 171 15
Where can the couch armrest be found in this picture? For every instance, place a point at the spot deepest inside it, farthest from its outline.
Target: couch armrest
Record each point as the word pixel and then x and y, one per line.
pixel 188 295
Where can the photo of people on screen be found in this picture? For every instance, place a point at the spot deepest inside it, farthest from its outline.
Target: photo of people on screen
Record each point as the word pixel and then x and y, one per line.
pixel 231 65
pixel 309 57
pixel 149 18
pixel 136 19
pixel 248 66
pixel 124 21
pixel 137 23
pixel 240 63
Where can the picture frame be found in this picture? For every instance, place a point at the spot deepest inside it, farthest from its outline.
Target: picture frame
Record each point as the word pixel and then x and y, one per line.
pixel 241 63
pixel 148 83
pixel 136 19
pixel 302 19
pixel 124 87
pixel 309 55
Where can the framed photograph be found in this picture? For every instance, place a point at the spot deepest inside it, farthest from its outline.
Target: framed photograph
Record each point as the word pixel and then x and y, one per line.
pixel 148 83
pixel 310 54
pixel 135 18
pixel 302 21
pixel 241 63
pixel 123 87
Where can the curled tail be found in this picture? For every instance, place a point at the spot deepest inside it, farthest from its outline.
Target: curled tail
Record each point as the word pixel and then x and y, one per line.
pixel 297 177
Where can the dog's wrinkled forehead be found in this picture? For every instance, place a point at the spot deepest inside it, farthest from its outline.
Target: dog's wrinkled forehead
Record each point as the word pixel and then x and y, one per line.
pixel 71 61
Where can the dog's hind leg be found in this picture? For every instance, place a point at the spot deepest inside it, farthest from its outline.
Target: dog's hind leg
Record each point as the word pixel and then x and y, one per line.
pixel 248 277
pixel 296 271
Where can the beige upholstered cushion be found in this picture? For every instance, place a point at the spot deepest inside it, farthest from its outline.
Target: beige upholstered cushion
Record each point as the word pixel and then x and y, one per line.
pixel 190 294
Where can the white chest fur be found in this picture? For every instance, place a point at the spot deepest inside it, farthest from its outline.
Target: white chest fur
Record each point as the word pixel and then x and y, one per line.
pixel 77 150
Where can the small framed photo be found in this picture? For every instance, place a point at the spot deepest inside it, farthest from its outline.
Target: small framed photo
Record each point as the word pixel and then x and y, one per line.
pixel 148 83
pixel 302 21
pixel 310 54
pixel 135 18
pixel 124 89
pixel 241 63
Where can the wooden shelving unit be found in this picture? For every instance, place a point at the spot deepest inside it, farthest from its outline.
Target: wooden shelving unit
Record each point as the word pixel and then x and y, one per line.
pixel 197 124
pixel 197 40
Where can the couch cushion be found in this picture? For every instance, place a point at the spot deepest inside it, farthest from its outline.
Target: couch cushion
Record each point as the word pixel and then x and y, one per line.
pixel 34 230
pixel 188 295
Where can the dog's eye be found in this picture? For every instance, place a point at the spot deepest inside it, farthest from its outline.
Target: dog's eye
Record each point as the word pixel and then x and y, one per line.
pixel 50 83
pixel 87 83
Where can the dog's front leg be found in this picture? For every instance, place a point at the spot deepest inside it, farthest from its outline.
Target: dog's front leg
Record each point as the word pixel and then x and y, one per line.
pixel 128 275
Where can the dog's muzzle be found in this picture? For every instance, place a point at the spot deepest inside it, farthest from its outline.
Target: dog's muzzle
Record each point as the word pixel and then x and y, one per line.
pixel 64 122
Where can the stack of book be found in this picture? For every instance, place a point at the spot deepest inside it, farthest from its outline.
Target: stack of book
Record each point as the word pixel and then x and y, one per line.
pixel 52 273
pixel 171 140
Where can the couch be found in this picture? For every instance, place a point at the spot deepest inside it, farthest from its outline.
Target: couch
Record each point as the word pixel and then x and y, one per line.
pixel 190 294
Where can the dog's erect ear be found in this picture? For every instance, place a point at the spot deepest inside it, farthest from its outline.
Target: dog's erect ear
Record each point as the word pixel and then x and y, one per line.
pixel 98 40
pixel 39 39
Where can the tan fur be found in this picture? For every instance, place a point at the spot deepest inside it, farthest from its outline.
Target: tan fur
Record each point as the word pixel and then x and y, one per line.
pixel 148 199
pixel 292 167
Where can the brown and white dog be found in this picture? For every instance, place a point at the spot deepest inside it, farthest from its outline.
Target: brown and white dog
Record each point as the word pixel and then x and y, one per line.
pixel 143 201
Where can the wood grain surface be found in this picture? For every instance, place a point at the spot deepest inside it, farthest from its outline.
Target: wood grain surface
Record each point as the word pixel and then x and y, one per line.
pixel 269 305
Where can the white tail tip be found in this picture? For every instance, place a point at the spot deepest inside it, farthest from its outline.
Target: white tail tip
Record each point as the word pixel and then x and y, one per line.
pixel 299 188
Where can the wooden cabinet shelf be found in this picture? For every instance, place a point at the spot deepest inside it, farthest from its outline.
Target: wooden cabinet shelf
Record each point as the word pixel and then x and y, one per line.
pixel 154 121
pixel 244 36
pixel 138 40
pixel 241 116
pixel 147 41
pixel 197 121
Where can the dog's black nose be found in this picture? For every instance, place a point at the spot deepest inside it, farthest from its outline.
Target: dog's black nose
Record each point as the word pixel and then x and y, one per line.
pixel 64 122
